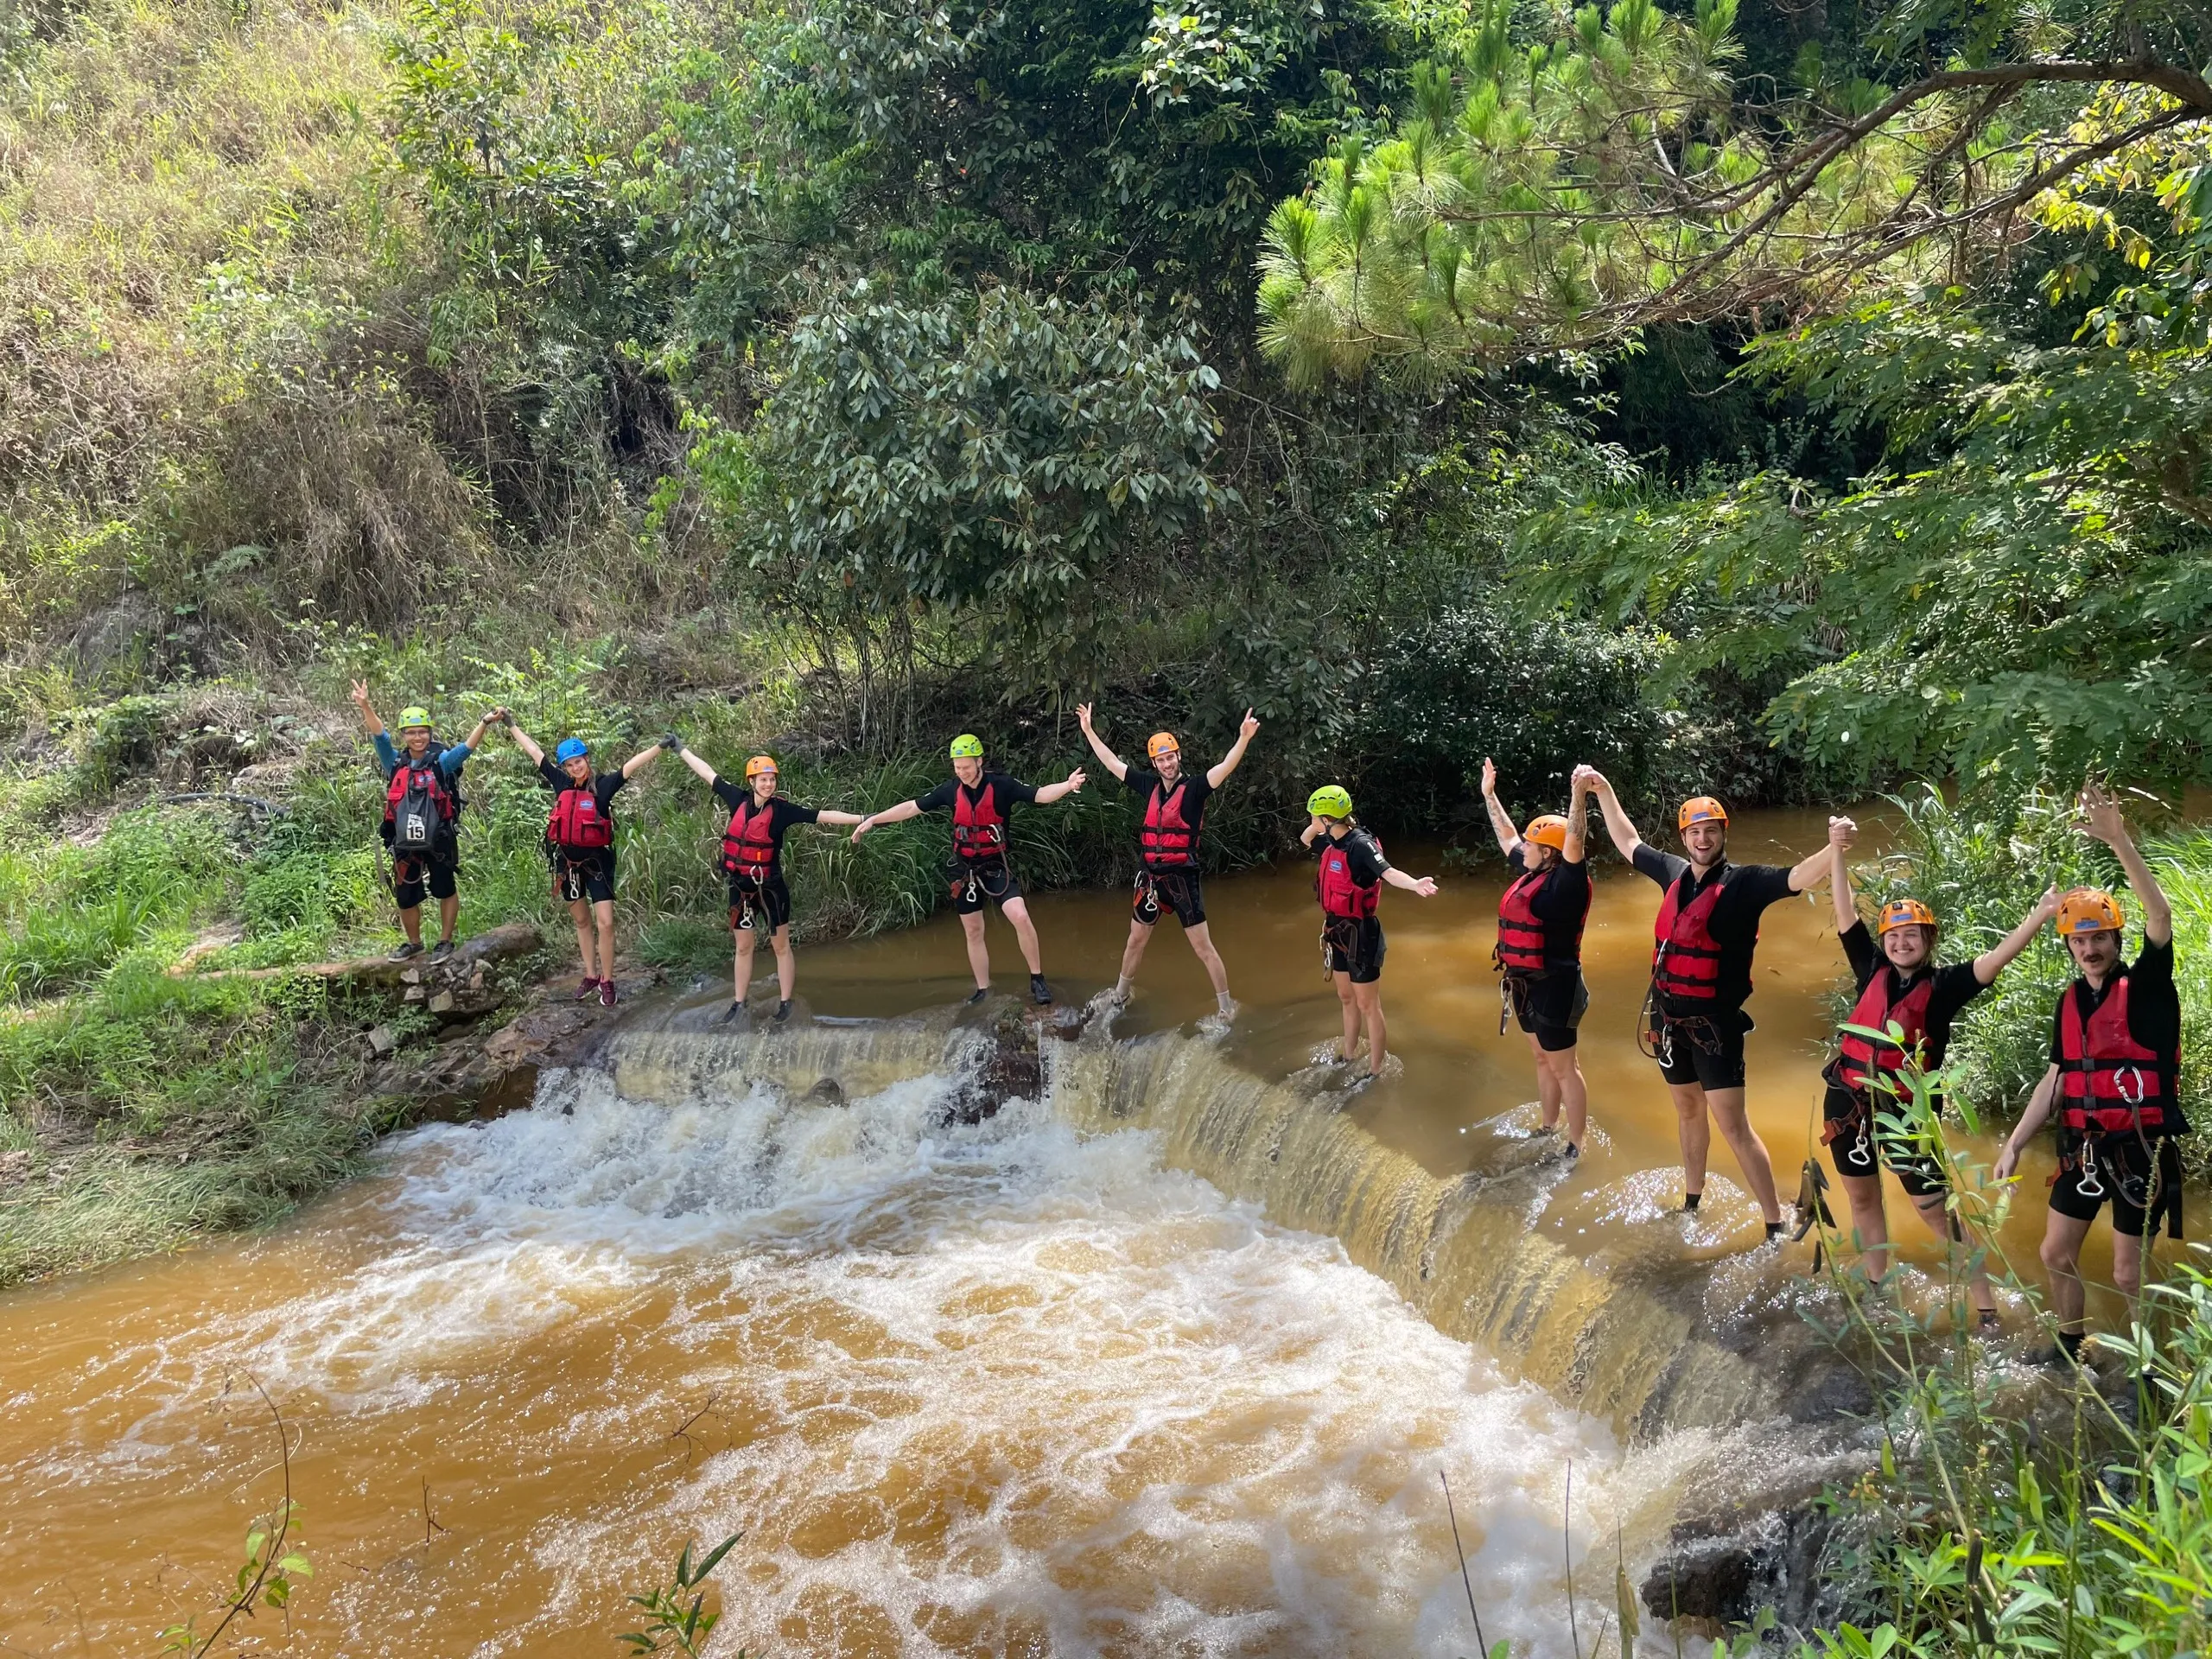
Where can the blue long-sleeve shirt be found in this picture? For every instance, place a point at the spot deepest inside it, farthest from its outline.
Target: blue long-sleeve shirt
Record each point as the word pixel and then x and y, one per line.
pixel 449 762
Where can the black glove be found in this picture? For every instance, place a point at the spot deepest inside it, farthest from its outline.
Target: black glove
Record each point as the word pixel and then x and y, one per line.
pixel 670 742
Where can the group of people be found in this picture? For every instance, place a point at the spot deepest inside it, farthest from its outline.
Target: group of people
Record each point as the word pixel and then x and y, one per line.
pixel 2115 1036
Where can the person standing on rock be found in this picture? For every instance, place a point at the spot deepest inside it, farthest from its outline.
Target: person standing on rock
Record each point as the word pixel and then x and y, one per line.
pixel 421 817
pixel 579 845
pixel 1174 814
pixel 752 857
pixel 1693 1018
pixel 1900 989
pixel 1539 950
pixel 981 803
pixel 2113 1082
pixel 1349 882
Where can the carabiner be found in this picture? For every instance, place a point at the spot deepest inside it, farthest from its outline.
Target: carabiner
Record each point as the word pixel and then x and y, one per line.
pixel 2120 1085
pixel 2090 1184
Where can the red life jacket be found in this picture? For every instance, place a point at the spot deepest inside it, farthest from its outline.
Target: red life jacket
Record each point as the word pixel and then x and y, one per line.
pixel 1169 843
pixel 1341 895
pixel 749 842
pixel 577 824
pixel 425 774
pixel 1685 956
pixel 1521 932
pixel 1860 1060
pixel 978 826
pixel 2107 1081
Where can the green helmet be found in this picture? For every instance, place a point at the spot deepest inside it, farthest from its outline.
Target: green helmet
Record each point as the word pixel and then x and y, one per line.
pixel 1330 801
pixel 414 715
pixel 967 746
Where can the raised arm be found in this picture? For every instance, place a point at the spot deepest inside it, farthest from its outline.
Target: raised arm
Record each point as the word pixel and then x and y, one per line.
pixel 1624 837
pixel 644 758
pixel 1990 963
pixel 898 814
pixel 1815 867
pixel 1846 907
pixel 1228 763
pixel 707 774
pixel 1313 827
pixel 1501 821
pixel 360 694
pixel 1067 786
pixel 476 737
pixel 1577 847
pixel 824 815
pixel 1107 758
pixel 2101 820
pixel 527 744
pixel 2039 1105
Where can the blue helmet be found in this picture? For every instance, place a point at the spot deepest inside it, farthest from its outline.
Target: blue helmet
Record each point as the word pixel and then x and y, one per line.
pixel 571 749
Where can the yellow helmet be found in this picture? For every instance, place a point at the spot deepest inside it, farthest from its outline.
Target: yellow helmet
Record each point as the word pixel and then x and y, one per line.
pixel 1549 830
pixel 759 763
pixel 1330 801
pixel 1905 912
pixel 2088 910
pixel 1700 809
pixel 967 746
pixel 1161 743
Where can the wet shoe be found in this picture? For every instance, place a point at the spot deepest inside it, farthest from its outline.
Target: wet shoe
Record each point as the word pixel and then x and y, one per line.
pixel 1689 1203
pixel 735 1013
pixel 586 990
pixel 1989 1323
pixel 978 994
pixel 783 1011
pixel 407 948
pixel 1040 992
pixel 1774 1230
pixel 442 950
pixel 606 993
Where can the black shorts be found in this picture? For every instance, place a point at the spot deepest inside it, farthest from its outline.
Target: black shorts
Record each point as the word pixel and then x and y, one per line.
pixel 2142 1183
pixel 1354 946
pixel 767 906
pixel 413 873
pixel 1161 891
pixel 1548 1006
pixel 584 875
pixel 1864 1139
pixel 1707 1051
pixel 975 886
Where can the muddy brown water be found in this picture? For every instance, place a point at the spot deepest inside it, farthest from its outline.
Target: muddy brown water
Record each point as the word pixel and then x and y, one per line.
pixel 1167 1362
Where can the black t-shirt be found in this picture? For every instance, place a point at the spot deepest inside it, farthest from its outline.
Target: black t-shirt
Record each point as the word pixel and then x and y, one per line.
pixel 1561 901
pixel 1197 791
pixel 1956 985
pixel 781 814
pixel 603 785
pixel 1735 922
pixel 1362 855
pixel 2153 1010
pixel 1006 793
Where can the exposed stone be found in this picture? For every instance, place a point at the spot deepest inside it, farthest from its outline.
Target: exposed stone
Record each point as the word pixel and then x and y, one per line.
pixel 381 1041
pixel 441 1002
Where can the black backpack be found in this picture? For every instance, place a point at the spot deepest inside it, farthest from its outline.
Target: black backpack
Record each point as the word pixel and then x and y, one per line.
pixel 420 809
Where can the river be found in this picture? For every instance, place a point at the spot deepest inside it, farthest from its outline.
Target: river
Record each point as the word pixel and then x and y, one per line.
pixel 1168 1361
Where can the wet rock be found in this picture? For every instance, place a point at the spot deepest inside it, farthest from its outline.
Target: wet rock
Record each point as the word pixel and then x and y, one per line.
pixel 1724 1574
pixel 827 1091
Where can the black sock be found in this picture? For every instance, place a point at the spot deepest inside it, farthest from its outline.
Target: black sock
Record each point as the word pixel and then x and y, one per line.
pixel 2070 1342
pixel 1690 1200
pixel 1774 1230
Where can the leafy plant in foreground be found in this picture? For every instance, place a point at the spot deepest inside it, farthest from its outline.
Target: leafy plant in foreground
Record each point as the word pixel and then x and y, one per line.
pixel 671 1620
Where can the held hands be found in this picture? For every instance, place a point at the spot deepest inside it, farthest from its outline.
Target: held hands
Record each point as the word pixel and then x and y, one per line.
pixel 671 742
pixel 1841 832
pixel 1490 777
pixel 2101 819
pixel 863 827
pixel 1590 780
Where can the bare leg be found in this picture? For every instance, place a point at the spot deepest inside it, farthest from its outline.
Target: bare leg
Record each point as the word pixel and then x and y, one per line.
pixel 1016 911
pixel 1727 1105
pixel 1546 1085
pixel 579 916
pixel 1870 1221
pixel 1349 1045
pixel 979 953
pixel 2128 1269
pixel 748 940
pixel 1370 999
pixel 2061 1267
pixel 1201 938
pixel 1133 953
pixel 1565 1066
pixel 449 914
pixel 786 962
pixel 410 923
pixel 1934 1212
pixel 1694 1130
pixel 603 910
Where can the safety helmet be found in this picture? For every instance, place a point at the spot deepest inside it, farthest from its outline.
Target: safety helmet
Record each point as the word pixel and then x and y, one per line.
pixel 571 749
pixel 413 714
pixel 1700 809
pixel 1330 801
pixel 1904 913
pixel 759 763
pixel 2088 910
pixel 967 746
pixel 1549 830
pixel 1161 743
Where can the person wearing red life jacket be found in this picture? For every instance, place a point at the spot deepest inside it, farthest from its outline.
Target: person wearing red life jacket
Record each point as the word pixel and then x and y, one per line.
pixel 579 845
pixel 982 804
pixel 1174 813
pixel 1703 941
pixel 1899 985
pixel 2115 1063
pixel 421 817
pixel 1349 883
pixel 1539 950
pixel 752 857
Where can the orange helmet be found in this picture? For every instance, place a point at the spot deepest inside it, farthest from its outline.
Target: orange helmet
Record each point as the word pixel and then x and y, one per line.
pixel 1161 743
pixel 1905 912
pixel 1549 830
pixel 1700 809
pixel 2088 910
pixel 759 763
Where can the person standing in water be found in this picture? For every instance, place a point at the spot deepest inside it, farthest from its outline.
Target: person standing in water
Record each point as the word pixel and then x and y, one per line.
pixel 752 857
pixel 1174 813
pixel 1539 950
pixel 981 803
pixel 2115 1063
pixel 580 844
pixel 1694 1023
pixel 1900 986
pixel 1349 884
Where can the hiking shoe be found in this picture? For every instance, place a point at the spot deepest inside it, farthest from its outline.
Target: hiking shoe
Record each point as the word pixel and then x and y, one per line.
pixel 978 994
pixel 1040 992
pixel 442 950
pixel 1988 1323
pixel 407 948
pixel 585 988
pixel 1774 1230
pixel 606 993
pixel 1689 1203
pixel 735 1013
pixel 783 1011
